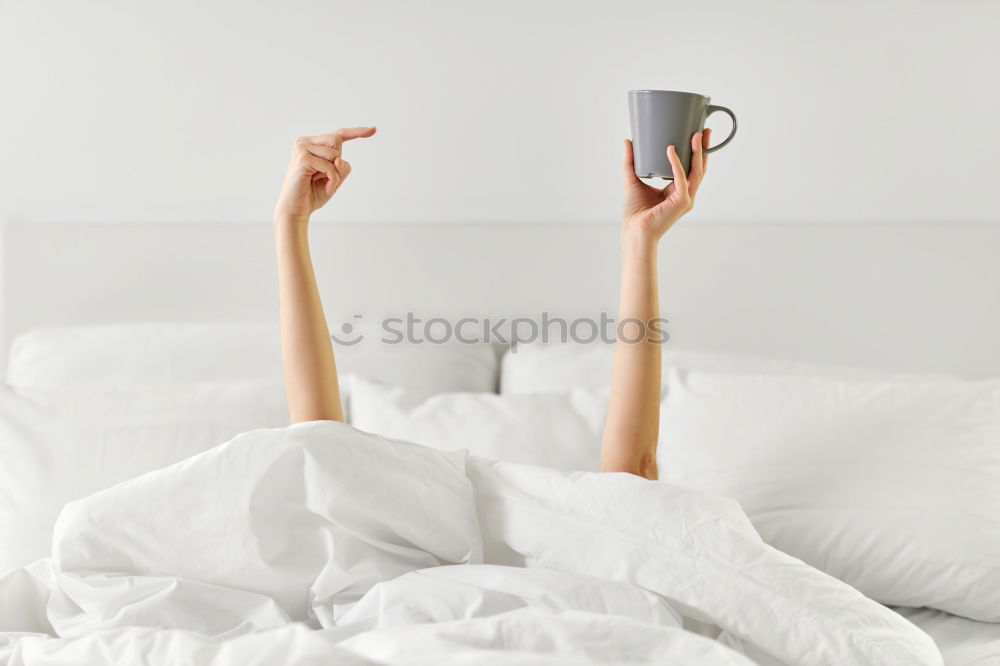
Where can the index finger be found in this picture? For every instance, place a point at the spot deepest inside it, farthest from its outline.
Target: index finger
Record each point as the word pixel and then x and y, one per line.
pixel 334 139
pixel 697 162
pixel 706 142
pixel 699 159
pixel 680 178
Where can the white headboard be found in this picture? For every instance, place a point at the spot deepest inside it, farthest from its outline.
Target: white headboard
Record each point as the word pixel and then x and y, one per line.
pixel 921 296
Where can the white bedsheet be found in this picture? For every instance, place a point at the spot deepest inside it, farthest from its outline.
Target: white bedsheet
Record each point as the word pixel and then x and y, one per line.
pixel 963 642
pixel 321 544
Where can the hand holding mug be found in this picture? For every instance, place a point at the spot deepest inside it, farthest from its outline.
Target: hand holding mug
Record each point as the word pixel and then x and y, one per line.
pixel 650 211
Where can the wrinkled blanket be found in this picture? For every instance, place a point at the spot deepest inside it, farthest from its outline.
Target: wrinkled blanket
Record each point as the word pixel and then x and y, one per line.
pixel 318 543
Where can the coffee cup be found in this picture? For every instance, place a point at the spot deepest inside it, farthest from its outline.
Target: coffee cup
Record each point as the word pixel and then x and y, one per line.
pixel 661 118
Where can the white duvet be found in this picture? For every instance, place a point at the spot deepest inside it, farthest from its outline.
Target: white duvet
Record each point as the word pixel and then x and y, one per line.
pixel 320 544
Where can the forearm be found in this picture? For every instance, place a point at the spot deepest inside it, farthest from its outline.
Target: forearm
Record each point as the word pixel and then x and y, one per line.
pixel 310 371
pixel 632 427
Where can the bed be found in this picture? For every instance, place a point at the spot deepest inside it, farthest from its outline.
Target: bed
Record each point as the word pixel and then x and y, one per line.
pixel 80 393
pixel 961 641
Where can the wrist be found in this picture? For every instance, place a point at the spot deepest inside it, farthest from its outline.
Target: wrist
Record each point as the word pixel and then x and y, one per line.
pixel 289 221
pixel 639 253
pixel 639 245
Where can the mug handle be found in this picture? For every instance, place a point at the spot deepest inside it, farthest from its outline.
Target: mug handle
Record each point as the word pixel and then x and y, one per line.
pixel 712 108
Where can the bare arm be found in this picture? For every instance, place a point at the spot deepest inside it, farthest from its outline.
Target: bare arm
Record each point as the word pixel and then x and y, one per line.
pixel 632 427
pixel 314 174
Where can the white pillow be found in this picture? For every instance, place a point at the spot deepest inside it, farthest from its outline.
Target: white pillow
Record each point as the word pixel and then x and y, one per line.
pixel 424 366
pixel 554 367
pixel 61 445
pixel 130 354
pixel 891 486
pixel 119 355
pixel 144 354
pixel 555 430
pixel 539 367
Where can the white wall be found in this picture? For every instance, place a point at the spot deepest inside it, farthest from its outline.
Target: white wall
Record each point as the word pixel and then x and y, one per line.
pixel 514 111
pixel 915 297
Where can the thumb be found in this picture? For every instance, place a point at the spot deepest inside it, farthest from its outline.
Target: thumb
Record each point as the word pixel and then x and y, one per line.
pixel 343 168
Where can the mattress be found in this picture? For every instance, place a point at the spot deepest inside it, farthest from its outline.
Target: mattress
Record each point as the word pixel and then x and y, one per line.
pixel 962 642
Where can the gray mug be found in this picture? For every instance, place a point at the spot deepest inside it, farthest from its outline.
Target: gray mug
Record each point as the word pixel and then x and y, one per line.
pixel 660 118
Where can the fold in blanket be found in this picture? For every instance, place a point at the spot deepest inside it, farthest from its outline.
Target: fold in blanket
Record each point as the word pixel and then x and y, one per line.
pixel 318 542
